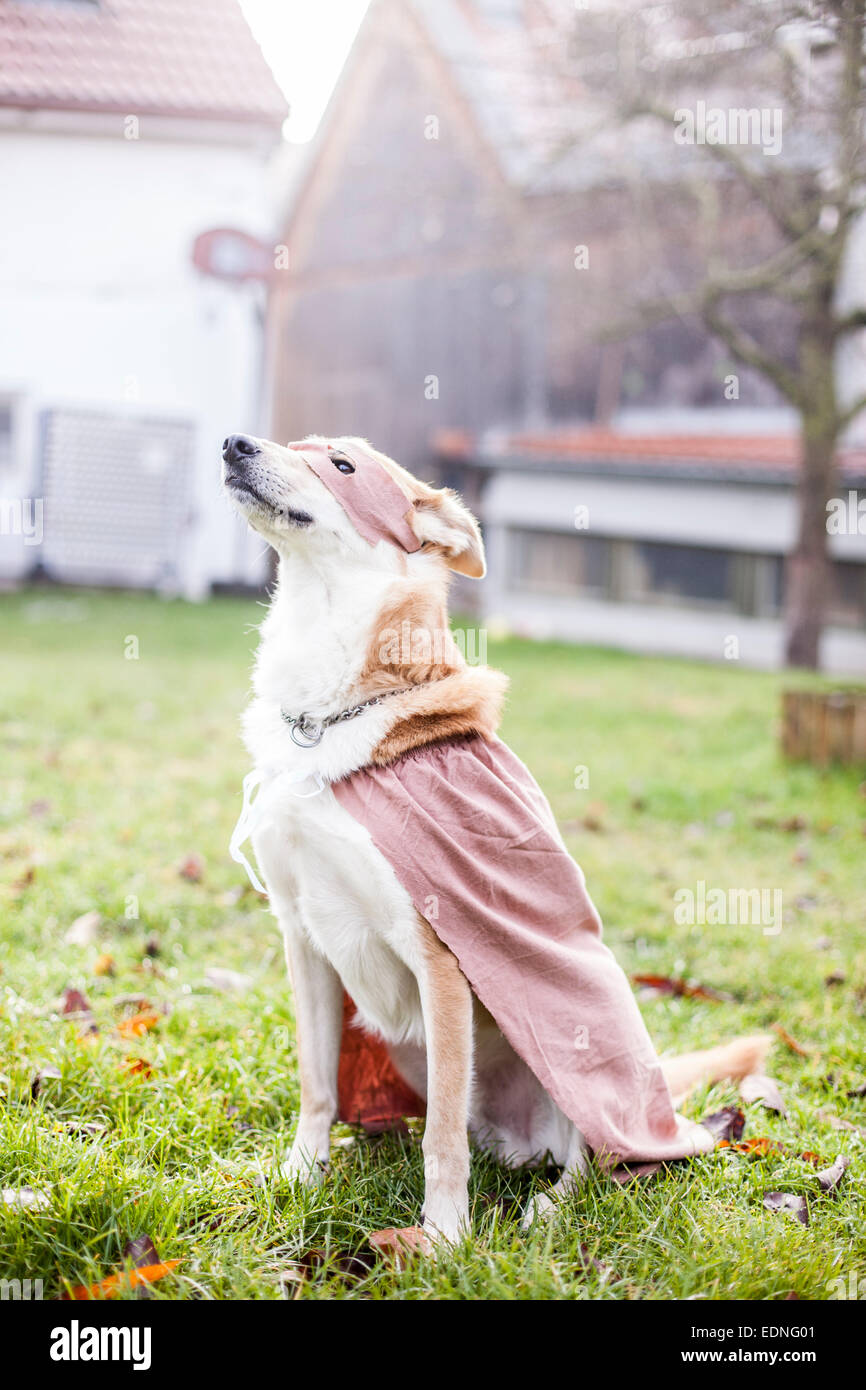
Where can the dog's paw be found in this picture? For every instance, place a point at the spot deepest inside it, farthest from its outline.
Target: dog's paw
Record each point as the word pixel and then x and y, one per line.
pixel 539 1208
pixel 303 1167
pixel 445 1224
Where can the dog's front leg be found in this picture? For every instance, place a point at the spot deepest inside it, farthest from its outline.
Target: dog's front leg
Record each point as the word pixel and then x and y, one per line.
pixel 318 995
pixel 446 1002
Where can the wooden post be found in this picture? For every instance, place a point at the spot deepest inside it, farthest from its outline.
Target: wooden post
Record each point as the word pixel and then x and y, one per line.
pixel 824 727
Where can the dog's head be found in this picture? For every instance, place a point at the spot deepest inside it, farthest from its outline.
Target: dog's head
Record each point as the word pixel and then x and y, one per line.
pixel 340 497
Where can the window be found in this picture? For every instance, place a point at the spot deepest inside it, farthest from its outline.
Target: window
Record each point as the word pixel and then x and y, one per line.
pixel 847 605
pixel 558 562
pixel 677 574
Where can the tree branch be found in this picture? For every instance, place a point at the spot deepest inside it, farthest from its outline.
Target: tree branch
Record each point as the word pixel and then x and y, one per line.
pixel 850 322
pixel 748 351
pixel 850 413
pixel 785 218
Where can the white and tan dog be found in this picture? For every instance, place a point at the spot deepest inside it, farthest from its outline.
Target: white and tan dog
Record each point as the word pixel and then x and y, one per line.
pixel 346 919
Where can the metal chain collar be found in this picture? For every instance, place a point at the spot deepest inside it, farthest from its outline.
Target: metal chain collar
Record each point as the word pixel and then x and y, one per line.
pixel 312 730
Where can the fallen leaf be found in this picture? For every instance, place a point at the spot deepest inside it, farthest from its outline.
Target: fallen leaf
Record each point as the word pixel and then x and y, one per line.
pixel 788 1202
pixel 725 1124
pixel 83 1129
pixel 837 977
pixel 84 929
pixel 20 885
pixel 42 1075
pixel 341 1262
pixel 759 1087
pixel 137 1066
pixel 791 1042
pixel 126 1279
pixel 624 1173
pixel 856 1091
pixel 397 1245
pixel 25 1199
pixel 837 1122
pixel 151 947
pixel 131 1003
pixel 830 1178
pixel 760 1145
pixel 192 868
pixel 662 984
pixel 141 1254
pixel 227 981
pixel 590 1262
pixel 76 1009
pixel 139 1024
pixel 104 965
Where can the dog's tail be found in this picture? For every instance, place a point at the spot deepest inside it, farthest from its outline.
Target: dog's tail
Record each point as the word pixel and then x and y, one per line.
pixel 729 1062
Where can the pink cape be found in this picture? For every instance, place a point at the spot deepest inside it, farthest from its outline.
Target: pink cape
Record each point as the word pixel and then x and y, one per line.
pixel 472 839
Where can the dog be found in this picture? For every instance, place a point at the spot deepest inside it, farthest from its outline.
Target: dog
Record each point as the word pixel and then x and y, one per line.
pixel 346 717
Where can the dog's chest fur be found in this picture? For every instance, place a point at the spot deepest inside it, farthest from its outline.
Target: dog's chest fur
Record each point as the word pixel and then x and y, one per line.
pixel 327 877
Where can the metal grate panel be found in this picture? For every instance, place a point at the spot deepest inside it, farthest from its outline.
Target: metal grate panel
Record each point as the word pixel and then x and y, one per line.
pixel 116 492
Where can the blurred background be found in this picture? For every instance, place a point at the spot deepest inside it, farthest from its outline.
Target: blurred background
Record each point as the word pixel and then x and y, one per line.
pixel 601 266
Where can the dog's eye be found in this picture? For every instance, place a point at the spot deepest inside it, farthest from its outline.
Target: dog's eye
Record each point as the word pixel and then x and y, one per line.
pixel 343 464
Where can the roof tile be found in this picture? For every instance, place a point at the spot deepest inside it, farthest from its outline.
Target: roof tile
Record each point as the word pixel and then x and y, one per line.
pixel 194 58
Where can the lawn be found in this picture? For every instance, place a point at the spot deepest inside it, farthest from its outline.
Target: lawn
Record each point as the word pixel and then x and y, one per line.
pixel 118 772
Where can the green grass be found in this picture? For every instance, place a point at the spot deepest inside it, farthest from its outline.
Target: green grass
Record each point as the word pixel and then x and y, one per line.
pixel 115 770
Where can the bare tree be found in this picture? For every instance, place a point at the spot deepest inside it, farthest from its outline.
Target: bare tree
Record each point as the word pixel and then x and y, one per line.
pixel 764 98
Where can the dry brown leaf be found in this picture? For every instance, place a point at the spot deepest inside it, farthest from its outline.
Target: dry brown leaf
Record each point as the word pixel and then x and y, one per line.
pixel 137 1066
pixel 725 1124
pixel 125 1279
pixel 104 964
pixel 76 1008
pixel 398 1245
pixel 789 1202
pixel 662 984
pixel 192 868
pixel 625 1173
pixel 20 885
pixel 760 1145
pixel 791 1042
pixel 830 1178
pixel 40 1077
pixel 760 1087
pixel 139 1024
pixel 590 1262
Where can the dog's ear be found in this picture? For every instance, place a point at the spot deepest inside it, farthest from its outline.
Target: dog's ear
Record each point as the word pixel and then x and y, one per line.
pixel 443 523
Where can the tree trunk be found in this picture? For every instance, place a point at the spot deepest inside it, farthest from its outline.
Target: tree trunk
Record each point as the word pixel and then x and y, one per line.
pixel 809 575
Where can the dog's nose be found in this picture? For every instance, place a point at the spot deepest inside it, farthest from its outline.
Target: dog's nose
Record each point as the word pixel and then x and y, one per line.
pixel 239 447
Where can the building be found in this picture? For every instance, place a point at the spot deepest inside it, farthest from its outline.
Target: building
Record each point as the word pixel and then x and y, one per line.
pixel 127 129
pixel 460 240
pixel 435 241
pixel 661 542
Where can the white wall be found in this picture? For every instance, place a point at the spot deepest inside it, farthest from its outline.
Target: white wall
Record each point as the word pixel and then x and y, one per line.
pixel 755 518
pixel 100 304
pixel 758 519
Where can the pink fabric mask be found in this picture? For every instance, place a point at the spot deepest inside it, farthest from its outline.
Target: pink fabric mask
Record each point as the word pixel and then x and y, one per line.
pixel 379 509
